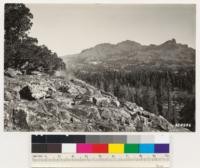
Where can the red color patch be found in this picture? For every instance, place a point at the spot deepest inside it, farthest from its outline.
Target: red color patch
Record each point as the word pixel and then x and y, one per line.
pixel 100 148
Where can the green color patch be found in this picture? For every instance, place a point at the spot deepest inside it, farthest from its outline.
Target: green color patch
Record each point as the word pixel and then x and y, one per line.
pixel 131 148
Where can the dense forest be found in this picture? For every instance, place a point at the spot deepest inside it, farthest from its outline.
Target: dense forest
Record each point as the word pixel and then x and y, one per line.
pixel 21 51
pixel 166 93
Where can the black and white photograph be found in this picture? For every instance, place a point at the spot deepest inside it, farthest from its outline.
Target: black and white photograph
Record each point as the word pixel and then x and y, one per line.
pixel 99 67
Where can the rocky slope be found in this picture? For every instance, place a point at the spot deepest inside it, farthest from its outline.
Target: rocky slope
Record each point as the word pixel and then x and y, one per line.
pixel 40 102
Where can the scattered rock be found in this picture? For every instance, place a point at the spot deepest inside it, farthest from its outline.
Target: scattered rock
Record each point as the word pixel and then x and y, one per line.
pixel 44 103
pixel 36 91
pixel 139 122
pixel 130 106
pixel 65 102
pixel 101 101
pixel 20 118
pixel 75 90
pixel 11 94
pixel 7 96
pixel 60 73
pixel 36 73
pixel 12 73
pixel 65 116
pixel 106 113
pixel 106 126
pixel 162 123
pixel 87 100
pixel 64 89
pixel 115 102
pixel 93 113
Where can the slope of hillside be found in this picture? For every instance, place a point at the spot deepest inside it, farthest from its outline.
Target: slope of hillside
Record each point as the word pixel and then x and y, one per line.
pixel 40 102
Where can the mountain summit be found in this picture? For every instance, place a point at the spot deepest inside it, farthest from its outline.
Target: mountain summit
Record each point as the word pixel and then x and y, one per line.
pixel 126 53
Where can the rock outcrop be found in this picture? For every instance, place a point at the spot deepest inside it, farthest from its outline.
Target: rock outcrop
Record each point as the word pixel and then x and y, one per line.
pixel 52 103
pixel 35 91
pixel 12 72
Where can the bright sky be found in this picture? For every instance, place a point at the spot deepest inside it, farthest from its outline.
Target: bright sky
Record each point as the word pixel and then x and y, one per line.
pixel 69 29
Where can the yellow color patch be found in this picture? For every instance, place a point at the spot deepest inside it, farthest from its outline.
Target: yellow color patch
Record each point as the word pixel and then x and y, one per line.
pixel 116 148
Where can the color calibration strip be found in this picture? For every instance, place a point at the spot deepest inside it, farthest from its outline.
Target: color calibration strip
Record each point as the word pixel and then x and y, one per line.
pixel 100 151
pixel 104 144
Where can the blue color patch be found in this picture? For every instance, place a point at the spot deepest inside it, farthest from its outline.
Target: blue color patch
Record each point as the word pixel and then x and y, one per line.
pixel 146 148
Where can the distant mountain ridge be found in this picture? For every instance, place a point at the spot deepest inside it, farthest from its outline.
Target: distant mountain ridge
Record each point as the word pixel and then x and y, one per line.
pixel 129 52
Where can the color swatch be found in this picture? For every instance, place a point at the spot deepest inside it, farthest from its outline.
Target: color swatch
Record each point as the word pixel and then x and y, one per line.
pixel 115 148
pixel 111 144
pixel 131 148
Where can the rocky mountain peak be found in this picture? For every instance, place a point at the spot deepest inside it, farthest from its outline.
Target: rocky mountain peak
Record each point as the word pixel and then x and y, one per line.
pixel 128 43
pixel 171 42
pixel 103 45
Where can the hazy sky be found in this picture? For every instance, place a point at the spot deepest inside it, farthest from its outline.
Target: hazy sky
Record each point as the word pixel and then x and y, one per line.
pixel 68 29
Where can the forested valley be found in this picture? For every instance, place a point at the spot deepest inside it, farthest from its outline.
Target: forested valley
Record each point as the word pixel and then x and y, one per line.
pixel 166 93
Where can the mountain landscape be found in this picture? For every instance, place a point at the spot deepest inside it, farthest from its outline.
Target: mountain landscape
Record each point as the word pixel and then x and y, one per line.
pixel 131 91
pixel 160 78
pixel 110 87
